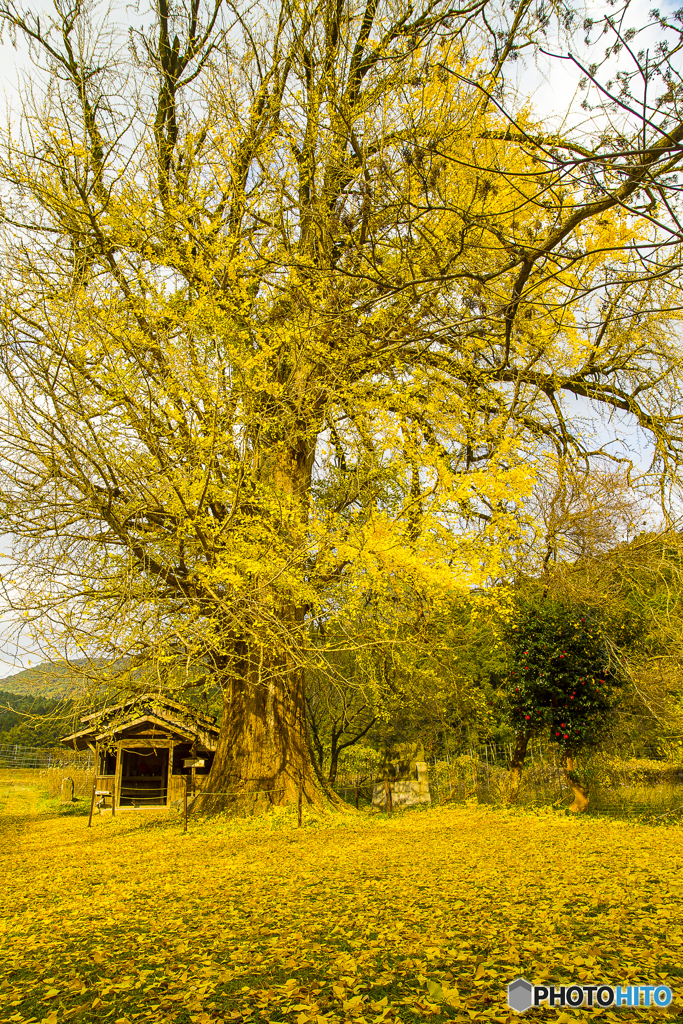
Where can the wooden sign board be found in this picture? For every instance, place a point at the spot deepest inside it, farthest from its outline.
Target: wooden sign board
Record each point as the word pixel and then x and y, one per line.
pixel 194 762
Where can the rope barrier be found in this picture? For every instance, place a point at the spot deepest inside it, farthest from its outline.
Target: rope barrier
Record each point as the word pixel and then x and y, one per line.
pixel 242 793
pixel 131 798
pixel 668 813
pixel 237 792
pixel 143 789
pixel 133 794
pixel 125 790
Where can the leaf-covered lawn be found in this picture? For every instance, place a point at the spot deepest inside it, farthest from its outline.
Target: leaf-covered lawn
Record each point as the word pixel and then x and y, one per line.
pixel 357 918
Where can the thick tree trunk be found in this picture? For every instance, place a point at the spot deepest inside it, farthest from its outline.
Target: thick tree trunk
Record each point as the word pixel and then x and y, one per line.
pixel 516 766
pixel 263 754
pixel 580 803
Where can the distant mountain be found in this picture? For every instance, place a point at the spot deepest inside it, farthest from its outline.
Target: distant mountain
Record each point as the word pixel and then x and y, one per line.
pixel 65 681
pixel 45 681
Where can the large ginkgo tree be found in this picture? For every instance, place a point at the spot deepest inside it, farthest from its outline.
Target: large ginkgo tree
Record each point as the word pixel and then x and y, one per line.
pixel 295 298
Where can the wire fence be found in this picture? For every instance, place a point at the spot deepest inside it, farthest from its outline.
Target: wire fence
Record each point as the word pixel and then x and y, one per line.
pixel 483 773
pixel 617 786
pixel 13 755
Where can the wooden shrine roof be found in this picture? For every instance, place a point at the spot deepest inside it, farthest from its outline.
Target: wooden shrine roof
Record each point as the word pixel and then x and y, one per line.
pixel 149 714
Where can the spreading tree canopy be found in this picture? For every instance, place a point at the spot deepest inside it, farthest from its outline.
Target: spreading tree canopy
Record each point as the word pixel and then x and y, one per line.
pixel 294 300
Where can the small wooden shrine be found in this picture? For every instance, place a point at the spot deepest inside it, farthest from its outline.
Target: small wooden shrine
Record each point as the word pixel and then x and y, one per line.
pixel 147 749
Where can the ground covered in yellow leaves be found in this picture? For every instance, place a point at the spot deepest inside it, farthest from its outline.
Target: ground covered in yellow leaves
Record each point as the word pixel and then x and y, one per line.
pixel 353 918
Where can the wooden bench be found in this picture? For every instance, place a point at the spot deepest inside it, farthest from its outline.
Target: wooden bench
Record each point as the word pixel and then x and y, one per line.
pixel 102 794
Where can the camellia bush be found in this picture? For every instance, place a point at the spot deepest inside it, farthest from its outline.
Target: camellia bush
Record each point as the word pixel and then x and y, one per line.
pixel 561 682
pixel 560 676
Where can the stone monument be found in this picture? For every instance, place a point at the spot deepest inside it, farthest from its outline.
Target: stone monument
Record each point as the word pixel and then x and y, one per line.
pixel 405 770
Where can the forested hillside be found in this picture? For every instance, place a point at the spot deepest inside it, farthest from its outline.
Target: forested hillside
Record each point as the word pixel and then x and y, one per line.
pixel 44 681
pixel 33 721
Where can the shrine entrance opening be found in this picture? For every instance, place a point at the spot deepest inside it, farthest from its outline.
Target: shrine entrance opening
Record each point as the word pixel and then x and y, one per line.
pixel 144 777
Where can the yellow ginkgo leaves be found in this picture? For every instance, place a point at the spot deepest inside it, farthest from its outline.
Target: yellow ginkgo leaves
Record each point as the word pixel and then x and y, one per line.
pixel 442 994
pixel 351 920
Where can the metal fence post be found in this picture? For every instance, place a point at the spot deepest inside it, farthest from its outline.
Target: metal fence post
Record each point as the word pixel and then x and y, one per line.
pixel 92 805
pixel 387 792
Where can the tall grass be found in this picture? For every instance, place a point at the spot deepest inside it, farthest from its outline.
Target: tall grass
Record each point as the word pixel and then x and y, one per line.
pixel 83 781
pixel 49 780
